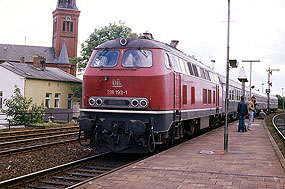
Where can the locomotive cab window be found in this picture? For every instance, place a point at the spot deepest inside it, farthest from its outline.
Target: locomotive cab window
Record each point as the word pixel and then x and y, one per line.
pixel 175 63
pixel 167 61
pixel 137 59
pixel 105 58
pixel 195 70
pixel 190 68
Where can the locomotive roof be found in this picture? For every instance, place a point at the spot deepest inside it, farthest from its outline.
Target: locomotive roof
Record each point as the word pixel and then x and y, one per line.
pixel 137 42
pixel 143 42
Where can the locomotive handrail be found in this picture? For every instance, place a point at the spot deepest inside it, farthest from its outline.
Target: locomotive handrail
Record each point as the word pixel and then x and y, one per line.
pixel 276 128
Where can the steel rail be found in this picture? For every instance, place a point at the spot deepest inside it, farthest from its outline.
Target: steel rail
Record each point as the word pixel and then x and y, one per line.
pixel 10 143
pixel 21 149
pixel 15 137
pixel 36 130
pixel 106 173
pixel 32 176
pixel 276 127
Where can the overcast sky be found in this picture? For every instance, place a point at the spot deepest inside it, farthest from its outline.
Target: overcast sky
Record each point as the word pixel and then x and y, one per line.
pixel 257 30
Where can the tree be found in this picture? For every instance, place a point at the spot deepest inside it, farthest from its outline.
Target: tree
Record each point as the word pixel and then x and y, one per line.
pixel 99 36
pixel 77 91
pixel 22 110
pixel 280 101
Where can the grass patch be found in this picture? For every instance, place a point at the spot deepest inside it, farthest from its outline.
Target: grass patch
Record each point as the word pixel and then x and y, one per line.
pixel 279 141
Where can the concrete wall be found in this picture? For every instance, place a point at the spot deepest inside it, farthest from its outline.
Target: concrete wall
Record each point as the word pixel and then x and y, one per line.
pixel 37 89
pixel 7 82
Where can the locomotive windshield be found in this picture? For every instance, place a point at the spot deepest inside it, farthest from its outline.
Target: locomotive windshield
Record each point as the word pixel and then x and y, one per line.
pixel 137 58
pixel 105 58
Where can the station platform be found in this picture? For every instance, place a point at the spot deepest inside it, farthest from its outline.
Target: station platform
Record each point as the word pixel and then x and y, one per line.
pixel 253 161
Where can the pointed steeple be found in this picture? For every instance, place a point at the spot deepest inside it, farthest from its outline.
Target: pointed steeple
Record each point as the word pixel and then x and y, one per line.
pixel 66 4
pixel 63 56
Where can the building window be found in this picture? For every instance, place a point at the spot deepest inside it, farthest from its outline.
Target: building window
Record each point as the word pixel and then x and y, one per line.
pixel 204 96
pixel 47 103
pixel 56 100
pixel 63 26
pixel 69 102
pixel 67 26
pixel 1 99
pixel 71 26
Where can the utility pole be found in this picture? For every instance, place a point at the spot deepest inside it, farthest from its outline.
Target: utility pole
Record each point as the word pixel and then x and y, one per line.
pixel 250 61
pixel 269 84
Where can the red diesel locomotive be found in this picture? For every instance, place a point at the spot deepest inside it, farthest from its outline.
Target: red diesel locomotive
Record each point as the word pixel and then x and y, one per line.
pixel 139 93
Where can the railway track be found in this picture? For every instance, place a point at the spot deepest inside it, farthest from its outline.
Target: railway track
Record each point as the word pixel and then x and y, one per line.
pixel 74 173
pixel 19 141
pixel 279 124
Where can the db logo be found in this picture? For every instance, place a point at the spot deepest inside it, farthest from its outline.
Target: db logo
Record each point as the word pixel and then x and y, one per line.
pixel 116 83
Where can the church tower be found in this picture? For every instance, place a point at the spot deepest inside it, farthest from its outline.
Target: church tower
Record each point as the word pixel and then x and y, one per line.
pixel 65 27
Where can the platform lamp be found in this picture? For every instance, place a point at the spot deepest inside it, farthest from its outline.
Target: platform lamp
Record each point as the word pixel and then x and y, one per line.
pixel 242 78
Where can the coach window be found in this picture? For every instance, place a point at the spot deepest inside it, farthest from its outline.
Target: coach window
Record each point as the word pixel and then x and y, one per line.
pixel 167 61
pixel 105 58
pixel 190 68
pixel 137 59
pixel 214 97
pixel 202 73
pixel 195 70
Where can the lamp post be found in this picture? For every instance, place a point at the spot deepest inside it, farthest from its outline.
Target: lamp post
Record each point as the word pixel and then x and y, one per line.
pixel 250 61
pixel 262 86
pixel 227 83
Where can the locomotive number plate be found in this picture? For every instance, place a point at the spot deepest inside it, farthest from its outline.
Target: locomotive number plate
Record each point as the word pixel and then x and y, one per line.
pixel 117 92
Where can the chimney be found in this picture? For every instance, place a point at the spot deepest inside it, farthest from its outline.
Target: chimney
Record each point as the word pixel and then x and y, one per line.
pixel 148 35
pixel 39 62
pixel 22 59
pixel 174 43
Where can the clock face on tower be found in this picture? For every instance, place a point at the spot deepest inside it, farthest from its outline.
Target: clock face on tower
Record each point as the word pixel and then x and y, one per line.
pixel 68 18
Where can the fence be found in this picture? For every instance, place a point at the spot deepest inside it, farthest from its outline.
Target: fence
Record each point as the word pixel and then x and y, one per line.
pixel 57 115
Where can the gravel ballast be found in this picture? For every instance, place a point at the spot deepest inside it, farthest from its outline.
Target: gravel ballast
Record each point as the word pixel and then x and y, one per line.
pixel 28 162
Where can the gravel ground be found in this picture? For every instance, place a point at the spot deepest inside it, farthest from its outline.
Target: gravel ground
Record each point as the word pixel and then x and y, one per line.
pixel 20 164
pixel 279 141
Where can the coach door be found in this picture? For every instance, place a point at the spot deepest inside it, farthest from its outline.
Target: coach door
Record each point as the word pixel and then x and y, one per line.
pixel 177 91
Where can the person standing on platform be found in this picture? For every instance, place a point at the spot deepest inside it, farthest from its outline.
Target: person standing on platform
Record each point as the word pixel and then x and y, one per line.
pixel 242 111
pixel 251 111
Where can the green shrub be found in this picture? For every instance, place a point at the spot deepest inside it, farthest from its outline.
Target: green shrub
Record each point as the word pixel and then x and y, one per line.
pixel 22 110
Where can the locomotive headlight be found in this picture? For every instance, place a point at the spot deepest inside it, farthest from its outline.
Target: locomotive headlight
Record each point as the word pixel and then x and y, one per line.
pixel 91 101
pixel 144 103
pixel 135 102
pixel 99 102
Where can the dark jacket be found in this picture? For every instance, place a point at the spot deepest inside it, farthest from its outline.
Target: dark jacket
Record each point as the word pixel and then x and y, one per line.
pixel 242 108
